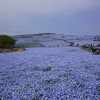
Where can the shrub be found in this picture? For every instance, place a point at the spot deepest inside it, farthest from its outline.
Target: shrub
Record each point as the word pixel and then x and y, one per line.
pixel 8 46
pixel 6 41
pixel 47 69
pixel 71 43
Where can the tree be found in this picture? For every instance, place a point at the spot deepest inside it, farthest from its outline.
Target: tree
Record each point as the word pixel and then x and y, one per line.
pixel 6 41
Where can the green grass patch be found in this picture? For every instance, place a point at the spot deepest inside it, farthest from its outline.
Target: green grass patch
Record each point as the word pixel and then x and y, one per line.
pixel 47 69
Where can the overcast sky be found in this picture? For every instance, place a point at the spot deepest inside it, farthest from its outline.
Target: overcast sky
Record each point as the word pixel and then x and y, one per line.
pixel 76 17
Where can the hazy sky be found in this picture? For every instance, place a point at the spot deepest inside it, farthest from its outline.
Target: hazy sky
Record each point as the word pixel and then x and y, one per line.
pixel 77 17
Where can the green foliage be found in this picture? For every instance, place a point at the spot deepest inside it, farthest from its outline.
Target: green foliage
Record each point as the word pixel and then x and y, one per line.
pixel 6 41
pixel 47 69
pixel 8 46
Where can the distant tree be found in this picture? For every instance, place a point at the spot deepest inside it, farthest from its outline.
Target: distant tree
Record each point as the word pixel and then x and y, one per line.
pixel 6 41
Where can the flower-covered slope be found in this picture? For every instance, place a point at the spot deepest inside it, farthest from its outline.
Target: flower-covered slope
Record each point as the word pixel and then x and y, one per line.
pixel 57 73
